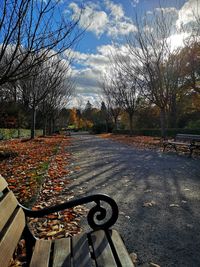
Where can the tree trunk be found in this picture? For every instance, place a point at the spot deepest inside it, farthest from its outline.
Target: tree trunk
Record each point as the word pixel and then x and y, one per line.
pixel 53 126
pixel 33 119
pixel 173 113
pixel 49 126
pixel 131 123
pixel 44 126
pixel 115 122
pixel 163 122
pixel 106 126
pixel 18 124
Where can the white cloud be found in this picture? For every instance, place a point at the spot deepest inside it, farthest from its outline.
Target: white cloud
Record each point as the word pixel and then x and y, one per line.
pixel 88 77
pixel 169 13
pixel 167 10
pixel 116 10
pixel 95 61
pixel 80 100
pixel 94 67
pixel 149 12
pixel 135 2
pixel 86 80
pixel 106 50
pixel 87 86
pixel 148 29
pixel 176 40
pixel 112 21
pixel 95 20
pixel 188 13
pixel 119 24
pixel 121 28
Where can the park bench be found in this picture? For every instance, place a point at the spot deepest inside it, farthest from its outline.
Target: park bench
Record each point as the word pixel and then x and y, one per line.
pixel 191 141
pixel 100 247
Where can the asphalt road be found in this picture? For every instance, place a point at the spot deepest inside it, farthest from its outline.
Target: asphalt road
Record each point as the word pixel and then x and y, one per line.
pixel 158 195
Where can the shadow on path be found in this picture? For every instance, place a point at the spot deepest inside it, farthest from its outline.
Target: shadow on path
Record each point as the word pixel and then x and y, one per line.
pixel 168 232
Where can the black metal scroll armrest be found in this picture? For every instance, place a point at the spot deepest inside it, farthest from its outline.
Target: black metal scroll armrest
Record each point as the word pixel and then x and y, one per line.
pixel 96 213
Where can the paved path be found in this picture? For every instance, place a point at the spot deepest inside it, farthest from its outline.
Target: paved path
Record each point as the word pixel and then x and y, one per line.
pixel 168 233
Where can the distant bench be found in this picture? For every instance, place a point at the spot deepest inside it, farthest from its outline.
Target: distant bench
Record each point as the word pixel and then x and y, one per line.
pixel 192 141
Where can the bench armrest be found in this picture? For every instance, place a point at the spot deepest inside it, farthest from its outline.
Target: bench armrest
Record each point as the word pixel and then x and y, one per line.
pixel 96 213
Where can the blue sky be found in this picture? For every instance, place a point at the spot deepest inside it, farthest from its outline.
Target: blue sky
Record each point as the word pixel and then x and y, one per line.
pixel 109 22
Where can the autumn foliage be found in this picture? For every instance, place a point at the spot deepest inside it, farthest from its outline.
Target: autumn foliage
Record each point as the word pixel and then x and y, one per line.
pixel 141 142
pixel 36 171
pixel 35 160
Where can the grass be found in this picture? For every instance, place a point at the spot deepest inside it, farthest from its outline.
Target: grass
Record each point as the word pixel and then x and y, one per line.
pixel 7 134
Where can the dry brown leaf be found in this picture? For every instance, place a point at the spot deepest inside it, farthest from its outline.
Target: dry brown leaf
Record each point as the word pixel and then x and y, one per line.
pixel 153 264
pixel 133 257
pixel 149 204
pixel 174 205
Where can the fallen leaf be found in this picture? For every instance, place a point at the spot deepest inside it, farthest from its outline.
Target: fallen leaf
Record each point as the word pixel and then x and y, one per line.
pixel 151 264
pixel 174 205
pixel 51 233
pixel 149 204
pixel 133 257
pixel 52 216
pixel 184 201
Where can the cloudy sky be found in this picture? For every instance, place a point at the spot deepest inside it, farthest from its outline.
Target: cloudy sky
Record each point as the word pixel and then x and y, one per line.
pixel 109 21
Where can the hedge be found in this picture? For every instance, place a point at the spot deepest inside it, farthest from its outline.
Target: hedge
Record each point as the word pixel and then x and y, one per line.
pixel 157 132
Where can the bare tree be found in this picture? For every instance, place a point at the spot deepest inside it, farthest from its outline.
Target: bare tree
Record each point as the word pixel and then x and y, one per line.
pixel 124 91
pixel 111 102
pixel 57 98
pixel 45 77
pixel 151 55
pixel 30 27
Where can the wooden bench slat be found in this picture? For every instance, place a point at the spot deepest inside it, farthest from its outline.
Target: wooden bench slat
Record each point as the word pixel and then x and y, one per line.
pixel 3 183
pixel 120 248
pixel 178 143
pixel 98 248
pixel 81 252
pixel 41 253
pixel 62 253
pixel 10 239
pixel 102 250
pixel 8 204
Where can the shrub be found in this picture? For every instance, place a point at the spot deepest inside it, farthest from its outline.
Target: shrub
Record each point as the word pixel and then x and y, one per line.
pixel 102 128
pixel 194 124
pixel 157 132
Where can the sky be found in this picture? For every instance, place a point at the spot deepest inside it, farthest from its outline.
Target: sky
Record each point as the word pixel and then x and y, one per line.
pixel 109 22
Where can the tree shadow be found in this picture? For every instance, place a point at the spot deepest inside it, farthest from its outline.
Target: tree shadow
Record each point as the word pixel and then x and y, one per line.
pixel 167 232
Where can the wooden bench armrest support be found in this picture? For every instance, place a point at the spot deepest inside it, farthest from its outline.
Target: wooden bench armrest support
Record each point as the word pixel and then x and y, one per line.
pixel 100 247
pixel 96 213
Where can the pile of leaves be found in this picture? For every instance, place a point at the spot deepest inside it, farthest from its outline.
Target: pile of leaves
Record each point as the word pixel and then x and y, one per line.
pixel 37 174
pixel 141 142
pixel 55 191
pixel 26 170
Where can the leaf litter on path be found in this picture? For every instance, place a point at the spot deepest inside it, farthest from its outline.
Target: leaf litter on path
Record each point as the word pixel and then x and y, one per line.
pixel 22 174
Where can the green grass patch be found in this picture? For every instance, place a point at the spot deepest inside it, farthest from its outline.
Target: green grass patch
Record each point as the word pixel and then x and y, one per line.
pixel 7 134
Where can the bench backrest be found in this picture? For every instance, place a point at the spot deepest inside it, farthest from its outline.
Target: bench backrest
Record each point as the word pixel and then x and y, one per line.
pixel 12 223
pixel 188 137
